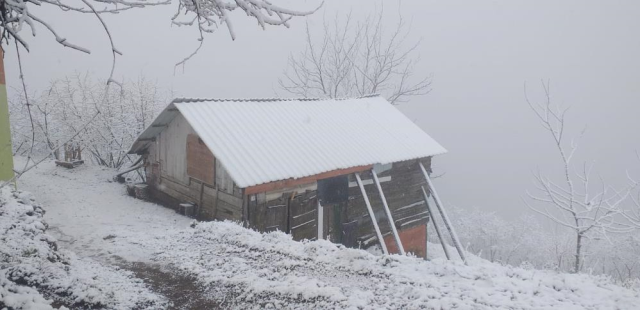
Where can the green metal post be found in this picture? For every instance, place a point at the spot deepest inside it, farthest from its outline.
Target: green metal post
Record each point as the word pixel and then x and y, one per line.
pixel 6 154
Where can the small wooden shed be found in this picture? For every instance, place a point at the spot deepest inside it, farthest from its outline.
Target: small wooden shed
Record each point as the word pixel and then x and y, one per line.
pixel 296 165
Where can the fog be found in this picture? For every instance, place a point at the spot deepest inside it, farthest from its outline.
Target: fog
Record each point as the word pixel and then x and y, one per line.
pixel 479 54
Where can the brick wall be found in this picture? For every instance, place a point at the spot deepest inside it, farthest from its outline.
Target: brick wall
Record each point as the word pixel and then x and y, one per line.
pixel 413 240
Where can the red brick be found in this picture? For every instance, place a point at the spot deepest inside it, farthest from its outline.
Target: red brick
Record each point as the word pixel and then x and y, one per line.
pixel 413 240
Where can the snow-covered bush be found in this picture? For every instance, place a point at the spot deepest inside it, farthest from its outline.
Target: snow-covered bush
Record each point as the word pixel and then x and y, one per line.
pixel 34 273
pixel 489 236
pixel 525 242
pixel 70 103
pixel 14 296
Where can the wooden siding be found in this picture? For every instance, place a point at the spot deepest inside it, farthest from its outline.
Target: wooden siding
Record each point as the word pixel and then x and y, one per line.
pixel 404 196
pixel 174 178
pixel 346 219
pixel 224 182
pixel 171 149
pixel 211 203
pixel 269 215
pixel 304 215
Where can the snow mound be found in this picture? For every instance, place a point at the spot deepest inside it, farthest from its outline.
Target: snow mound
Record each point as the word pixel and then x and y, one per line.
pixel 15 296
pixel 34 274
pixel 245 269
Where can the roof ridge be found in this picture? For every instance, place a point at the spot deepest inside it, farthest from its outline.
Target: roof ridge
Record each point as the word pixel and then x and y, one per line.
pixel 187 100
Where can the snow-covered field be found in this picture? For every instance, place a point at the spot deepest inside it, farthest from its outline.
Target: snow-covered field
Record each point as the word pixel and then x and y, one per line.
pixel 239 268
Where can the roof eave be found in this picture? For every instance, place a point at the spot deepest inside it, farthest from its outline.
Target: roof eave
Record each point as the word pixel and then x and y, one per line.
pixel 158 125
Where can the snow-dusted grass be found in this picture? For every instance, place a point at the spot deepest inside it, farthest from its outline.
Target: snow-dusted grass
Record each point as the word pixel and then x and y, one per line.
pixel 240 268
pixel 33 270
pixel 271 269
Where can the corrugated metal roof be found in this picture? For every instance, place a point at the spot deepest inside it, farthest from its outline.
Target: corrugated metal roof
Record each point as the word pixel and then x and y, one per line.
pixel 265 140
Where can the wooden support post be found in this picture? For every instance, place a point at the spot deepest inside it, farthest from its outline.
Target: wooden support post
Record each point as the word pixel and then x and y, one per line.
pixel 320 221
pixel 128 170
pixel 386 209
pixel 197 213
pixel 373 216
pixel 445 218
pixel 435 225
pixel 245 208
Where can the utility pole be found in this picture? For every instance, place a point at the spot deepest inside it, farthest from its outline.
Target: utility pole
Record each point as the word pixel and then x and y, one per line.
pixel 6 151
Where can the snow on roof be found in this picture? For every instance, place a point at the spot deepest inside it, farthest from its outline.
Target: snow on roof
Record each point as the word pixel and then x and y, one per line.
pixel 264 140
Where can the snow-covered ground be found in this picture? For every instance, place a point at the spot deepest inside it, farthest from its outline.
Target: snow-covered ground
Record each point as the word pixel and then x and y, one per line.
pixel 239 268
pixel 271 269
pixel 87 212
pixel 34 272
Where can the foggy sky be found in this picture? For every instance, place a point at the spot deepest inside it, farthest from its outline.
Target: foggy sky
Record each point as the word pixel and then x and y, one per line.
pixel 479 53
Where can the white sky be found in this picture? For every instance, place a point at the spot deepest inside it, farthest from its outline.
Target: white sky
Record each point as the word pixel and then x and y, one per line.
pixel 480 53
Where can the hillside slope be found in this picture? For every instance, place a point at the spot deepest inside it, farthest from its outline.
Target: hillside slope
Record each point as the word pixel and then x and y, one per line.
pixel 240 268
pixel 271 269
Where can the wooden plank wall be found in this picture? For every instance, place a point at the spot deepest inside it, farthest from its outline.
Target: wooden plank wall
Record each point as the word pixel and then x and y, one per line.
pixel 404 196
pixel 291 212
pixel 170 145
pixel 224 182
pixel 172 182
pixel 346 222
pixel 269 215
pixel 216 204
pixel 304 215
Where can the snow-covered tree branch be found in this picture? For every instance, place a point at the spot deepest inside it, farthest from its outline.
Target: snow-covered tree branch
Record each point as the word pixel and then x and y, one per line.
pixel 207 15
pixel 355 59
pixel 575 203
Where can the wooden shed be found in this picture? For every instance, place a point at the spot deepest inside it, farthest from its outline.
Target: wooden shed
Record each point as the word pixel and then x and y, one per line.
pixel 296 165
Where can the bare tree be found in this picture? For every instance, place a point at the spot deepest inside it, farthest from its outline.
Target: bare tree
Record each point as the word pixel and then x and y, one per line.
pixel 64 109
pixel 355 60
pixel 575 203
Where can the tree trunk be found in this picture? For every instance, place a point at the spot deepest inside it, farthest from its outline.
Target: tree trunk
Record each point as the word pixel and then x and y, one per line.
pixel 578 253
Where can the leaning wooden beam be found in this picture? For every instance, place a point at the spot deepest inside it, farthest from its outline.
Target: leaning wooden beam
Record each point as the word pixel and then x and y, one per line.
pixel 445 218
pixel 435 225
pixel 386 209
pixel 128 170
pixel 373 216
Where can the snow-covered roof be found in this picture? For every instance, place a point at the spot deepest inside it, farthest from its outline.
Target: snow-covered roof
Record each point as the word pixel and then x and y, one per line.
pixel 264 140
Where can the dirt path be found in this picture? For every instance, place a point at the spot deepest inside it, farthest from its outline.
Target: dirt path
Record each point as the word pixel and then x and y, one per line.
pixel 96 219
pixel 182 291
